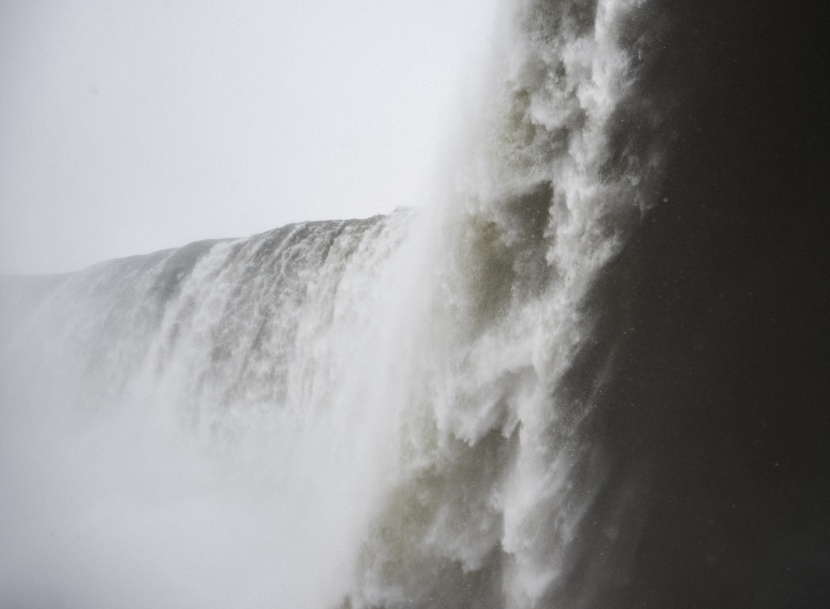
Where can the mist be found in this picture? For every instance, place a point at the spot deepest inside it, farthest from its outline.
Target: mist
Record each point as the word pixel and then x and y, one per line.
pixel 127 128
pixel 130 127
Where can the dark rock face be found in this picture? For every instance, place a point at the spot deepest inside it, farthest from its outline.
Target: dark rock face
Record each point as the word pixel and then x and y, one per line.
pixel 718 316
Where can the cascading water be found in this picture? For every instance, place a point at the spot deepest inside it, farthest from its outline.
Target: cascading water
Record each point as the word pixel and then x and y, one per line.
pixel 494 477
pixel 428 409
pixel 387 389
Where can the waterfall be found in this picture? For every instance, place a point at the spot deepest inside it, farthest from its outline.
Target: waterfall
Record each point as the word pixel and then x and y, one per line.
pixel 442 407
pixel 356 413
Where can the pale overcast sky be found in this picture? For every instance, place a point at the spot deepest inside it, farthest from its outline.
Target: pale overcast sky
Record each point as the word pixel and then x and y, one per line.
pixel 129 126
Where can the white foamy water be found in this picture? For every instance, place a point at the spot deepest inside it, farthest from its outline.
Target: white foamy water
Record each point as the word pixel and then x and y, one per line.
pixel 338 414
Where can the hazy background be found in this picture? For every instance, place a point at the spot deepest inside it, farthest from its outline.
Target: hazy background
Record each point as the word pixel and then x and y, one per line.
pixel 127 127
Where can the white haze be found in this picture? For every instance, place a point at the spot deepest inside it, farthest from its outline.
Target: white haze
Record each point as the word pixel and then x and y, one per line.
pixel 124 504
pixel 128 127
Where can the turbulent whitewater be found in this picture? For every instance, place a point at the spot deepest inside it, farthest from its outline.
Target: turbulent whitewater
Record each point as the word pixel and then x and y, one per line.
pixel 367 413
pixel 398 411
